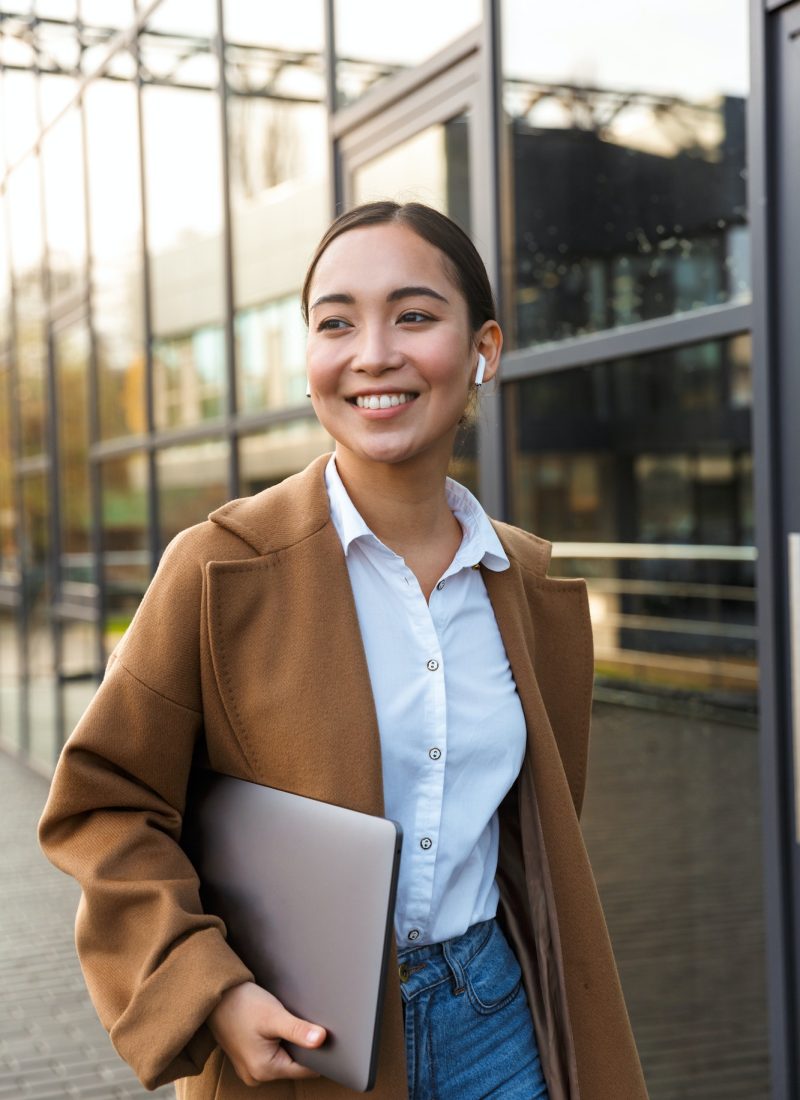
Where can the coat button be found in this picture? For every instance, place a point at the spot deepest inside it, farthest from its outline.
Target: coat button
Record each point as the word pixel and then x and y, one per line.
pixel 404 972
pixel 434 753
pixel 413 934
pixel 426 843
pixel 432 665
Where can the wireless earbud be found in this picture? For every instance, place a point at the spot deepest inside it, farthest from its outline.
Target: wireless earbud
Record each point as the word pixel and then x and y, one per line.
pixel 480 370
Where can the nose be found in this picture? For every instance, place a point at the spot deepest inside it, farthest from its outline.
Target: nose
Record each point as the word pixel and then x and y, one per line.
pixel 375 351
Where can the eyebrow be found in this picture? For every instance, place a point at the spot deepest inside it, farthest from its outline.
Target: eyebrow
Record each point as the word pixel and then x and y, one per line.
pixel 394 296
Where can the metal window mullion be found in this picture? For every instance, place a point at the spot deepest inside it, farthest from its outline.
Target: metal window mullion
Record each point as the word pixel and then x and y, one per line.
pixel 231 403
pixel 641 338
pixel 52 445
pixel 93 379
pixel 486 190
pixel 335 188
pixel 154 539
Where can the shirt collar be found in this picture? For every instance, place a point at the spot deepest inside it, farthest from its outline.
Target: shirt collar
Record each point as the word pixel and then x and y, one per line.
pixel 479 546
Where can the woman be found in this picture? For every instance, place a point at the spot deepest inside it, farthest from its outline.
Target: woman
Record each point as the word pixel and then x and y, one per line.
pixel 361 634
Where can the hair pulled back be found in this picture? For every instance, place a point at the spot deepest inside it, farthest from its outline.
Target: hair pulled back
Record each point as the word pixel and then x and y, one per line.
pixel 463 262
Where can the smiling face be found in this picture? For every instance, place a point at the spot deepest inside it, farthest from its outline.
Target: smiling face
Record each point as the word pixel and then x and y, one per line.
pixel 391 355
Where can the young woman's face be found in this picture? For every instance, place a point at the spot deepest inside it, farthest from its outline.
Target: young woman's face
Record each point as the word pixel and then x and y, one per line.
pixel 391 355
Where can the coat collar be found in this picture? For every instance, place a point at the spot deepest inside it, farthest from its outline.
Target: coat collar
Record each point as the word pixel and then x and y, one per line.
pixel 297 508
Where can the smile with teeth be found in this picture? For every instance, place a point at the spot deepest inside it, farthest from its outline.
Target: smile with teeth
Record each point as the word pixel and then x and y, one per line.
pixel 382 400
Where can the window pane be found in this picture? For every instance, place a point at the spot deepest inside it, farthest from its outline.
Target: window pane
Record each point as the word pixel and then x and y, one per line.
pixel 20 111
pixel 71 349
pixel 269 456
pixel 107 13
pixel 184 208
pixel 640 470
pixel 79 671
pixel 10 701
pixel 31 346
pixel 431 167
pixel 62 166
pixel 126 541
pixel 41 688
pixel 369 53
pixel 629 188
pixel 192 481
pixel 5 280
pixel 279 188
pixel 116 241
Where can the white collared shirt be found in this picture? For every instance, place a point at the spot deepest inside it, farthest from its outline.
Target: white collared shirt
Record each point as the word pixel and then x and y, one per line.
pixel 451 724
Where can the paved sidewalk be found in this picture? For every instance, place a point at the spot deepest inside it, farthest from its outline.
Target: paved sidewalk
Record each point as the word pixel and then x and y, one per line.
pixel 51 1042
pixel 671 821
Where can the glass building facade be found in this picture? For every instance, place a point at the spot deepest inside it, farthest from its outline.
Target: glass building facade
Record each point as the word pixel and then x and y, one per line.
pixel 167 169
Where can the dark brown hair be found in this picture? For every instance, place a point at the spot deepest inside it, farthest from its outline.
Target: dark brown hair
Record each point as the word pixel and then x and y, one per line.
pixel 461 256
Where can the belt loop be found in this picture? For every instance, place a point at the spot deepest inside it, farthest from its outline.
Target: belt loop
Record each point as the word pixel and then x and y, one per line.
pixel 456 969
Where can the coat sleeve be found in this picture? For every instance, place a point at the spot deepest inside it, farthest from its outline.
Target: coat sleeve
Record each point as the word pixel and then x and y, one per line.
pixel 154 962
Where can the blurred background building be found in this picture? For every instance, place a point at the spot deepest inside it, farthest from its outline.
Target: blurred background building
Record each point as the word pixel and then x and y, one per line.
pixel 167 169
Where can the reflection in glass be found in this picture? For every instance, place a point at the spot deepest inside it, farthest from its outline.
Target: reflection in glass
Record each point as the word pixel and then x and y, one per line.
pixel 192 481
pixel 20 112
pixel 42 732
pixel 116 248
pixel 431 167
pixel 644 453
pixel 175 46
pixel 184 207
pixel 31 348
pixel 271 355
pixel 277 131
pixel 5 280
pixel 10 696
pixel 56 92
pixel 269 456
pixel 369 54
pixel 640 470
pixel 189 377
pixel 79 673
pixel 115 14
pixel 126 541
pixel 71 350
pixel 62 169
pixel 629 189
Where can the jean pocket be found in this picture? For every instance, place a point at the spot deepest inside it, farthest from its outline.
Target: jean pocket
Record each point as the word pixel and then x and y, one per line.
pixel 492 976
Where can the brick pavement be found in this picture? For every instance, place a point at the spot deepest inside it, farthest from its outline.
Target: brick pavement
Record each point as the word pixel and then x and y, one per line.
pixel 51 1042
pixel 671 823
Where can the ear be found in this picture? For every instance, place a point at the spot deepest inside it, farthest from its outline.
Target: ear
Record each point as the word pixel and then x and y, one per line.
pixel 488 342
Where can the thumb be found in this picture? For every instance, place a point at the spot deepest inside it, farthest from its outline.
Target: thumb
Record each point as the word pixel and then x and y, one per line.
pixel 300 1032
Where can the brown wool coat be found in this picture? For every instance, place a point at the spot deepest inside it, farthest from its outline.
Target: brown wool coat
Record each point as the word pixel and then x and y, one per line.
pixel 246 649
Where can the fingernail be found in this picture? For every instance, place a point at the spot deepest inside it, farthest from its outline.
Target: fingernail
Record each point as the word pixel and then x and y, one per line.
pixel 313 1034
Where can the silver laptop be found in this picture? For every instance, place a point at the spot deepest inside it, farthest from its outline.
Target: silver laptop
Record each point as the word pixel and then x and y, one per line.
pixel 307 892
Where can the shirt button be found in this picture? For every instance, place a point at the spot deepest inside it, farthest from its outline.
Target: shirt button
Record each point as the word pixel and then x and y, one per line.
pixel 440 585
pixel 425 843
pixel 434 753
pixel 432 665
pixel 414 934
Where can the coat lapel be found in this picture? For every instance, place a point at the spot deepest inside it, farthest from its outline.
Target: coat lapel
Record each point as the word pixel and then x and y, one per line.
pixel 288 657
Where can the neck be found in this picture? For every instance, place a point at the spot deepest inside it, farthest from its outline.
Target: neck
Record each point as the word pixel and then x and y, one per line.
pixel 404 504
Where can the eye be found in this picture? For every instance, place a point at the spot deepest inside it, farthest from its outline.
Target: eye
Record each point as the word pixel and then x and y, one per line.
pixel 331 324
pixel 414 316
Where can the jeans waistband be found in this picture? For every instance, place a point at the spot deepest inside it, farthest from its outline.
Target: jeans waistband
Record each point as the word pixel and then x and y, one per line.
pixel 426 966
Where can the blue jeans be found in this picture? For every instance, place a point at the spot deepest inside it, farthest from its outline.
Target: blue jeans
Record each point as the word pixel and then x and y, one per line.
pixel 469 1034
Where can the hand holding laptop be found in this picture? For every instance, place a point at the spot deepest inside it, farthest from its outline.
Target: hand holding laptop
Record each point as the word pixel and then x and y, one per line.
pixel 249 1024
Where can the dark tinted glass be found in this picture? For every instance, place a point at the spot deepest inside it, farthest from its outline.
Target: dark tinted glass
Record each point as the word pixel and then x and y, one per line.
pixel 626 127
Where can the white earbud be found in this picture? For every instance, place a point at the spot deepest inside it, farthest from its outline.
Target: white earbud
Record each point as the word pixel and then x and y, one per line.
pixel 480 370
pixel 308 388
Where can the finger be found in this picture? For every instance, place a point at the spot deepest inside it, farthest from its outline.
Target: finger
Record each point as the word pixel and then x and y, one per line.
pixel 281 1064
pixel 300 1032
